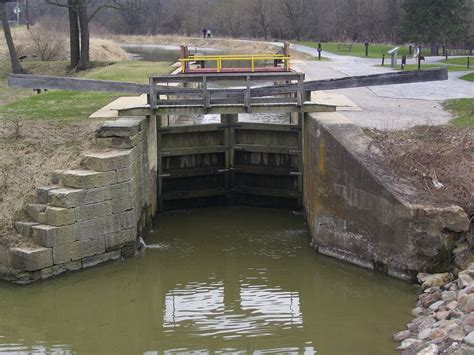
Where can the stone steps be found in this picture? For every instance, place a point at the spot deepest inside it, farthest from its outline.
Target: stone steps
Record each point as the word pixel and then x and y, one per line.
pixel 86 216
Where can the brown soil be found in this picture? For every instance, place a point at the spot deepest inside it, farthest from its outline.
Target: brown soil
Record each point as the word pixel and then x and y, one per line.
pixel 428 154
pixel 29 152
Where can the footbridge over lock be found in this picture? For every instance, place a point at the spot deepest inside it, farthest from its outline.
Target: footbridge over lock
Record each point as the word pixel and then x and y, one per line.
pixel 242 138
pixel 250 153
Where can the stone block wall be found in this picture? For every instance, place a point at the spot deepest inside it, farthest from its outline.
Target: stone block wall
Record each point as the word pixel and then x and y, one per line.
pixel 93 214
pixel 358 213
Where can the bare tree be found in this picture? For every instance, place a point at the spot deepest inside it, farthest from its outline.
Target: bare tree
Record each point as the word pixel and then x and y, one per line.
pixel 81 12
pixel 16 65
pixel 260 12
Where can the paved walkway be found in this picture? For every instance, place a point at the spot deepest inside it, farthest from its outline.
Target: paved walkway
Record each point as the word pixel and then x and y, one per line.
pixel 391 106
pixel 382 107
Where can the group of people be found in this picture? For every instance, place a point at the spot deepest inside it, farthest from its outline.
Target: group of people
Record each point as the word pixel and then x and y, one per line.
pixel 206 33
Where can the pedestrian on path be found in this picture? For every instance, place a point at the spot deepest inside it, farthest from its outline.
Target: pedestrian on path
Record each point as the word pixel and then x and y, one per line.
pixel 204 33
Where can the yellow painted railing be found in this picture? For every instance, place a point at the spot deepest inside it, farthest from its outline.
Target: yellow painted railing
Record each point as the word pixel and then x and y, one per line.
pixel 220 59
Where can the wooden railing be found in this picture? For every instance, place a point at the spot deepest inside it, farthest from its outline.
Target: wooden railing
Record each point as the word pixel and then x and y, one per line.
pixel 204 91
pixel 220 60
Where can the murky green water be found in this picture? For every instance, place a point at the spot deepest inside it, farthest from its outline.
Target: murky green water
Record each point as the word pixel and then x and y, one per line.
pixel 213 281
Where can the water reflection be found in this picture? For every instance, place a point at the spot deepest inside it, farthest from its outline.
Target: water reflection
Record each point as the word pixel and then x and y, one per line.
pixel 219 281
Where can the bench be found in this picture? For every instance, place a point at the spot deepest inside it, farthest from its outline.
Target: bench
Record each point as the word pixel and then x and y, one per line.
pixel 344 47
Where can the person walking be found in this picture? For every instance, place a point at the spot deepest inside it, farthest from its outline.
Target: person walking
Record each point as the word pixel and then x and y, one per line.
pixel 204 33
pixel 209 33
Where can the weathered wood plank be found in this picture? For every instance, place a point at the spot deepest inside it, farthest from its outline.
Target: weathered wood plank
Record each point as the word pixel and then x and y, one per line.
pixel 205 127
pixel 260 191
pixel 257 148
pixel 23 81
pixel 267 126
pixel 168 152
pixel 262 170
pixel 226 77
pixel 179 195
pixel 407 77
pixel 226 109
pixel 192 172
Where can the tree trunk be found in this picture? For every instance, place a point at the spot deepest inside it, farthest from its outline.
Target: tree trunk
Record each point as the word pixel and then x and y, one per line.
pixel 433 47
pixel 74 34
pixel 84 25
pixel 16 65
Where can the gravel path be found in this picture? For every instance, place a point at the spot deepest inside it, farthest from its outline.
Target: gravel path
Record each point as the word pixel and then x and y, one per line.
pixel 391 106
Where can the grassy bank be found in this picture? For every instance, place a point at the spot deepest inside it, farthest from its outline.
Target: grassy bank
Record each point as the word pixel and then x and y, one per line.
pixel 357 49
pixel 468 77
pixel 458 61
pixel 463 110
pixel 431 66
pixel 72 106
pixel 42 133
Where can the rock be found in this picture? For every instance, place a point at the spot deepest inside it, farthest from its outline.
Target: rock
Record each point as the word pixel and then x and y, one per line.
pixel 424 334
pixel 437 334
pixel 469 339
pixel 448 296
pixel 401 335
pixel 464 350
pixel 461 255
pixel 416 312
pixel 442 315
pixel 468 329
pixel 427 299
pixel 468 290
pixel 426 324
pixel 431 349
pixel 467 304
pixel 452 305
pixel 464 281
pixel 408 343
pixel 435 306
pixel 455 219
pixel 456 333
pixel 469 320
pixel 428 280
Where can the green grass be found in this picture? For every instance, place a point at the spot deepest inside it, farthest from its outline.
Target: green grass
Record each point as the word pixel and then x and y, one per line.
pixel 70 106
pixel 431 66
pixel 132 71
pixel 459 61
pixel 468 77
pixel 358 49
pixel 463 109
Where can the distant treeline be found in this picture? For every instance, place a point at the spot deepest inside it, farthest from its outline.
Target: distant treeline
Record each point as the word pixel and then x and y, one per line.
pixel 320 20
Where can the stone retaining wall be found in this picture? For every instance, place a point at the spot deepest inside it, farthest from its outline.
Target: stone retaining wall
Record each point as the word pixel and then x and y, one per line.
pixel 94 214
pixel 357 213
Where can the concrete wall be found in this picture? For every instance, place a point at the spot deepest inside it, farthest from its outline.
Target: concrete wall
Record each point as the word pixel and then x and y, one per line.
pixel 356 213
pixel 92 215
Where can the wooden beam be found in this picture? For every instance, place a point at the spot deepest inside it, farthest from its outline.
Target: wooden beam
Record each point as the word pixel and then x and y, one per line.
pixel 258 148
pixel 226 109
pixel 179 195
pixel 412 76
pixel 169 152
pixel 260 191
pixel 23 81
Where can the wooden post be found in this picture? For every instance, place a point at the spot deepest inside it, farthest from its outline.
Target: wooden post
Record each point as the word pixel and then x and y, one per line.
pixel 159 168
pixel 184 55
pixel 247 98
pixel 300 92
pixel 205 94
pixel 152 98
pixel 287 53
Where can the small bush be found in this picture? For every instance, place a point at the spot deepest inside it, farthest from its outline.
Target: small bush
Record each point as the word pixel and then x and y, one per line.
pixel 47 42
